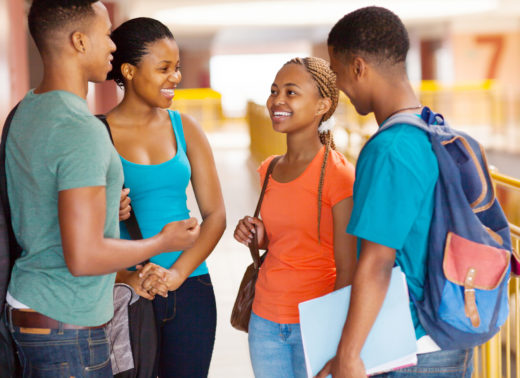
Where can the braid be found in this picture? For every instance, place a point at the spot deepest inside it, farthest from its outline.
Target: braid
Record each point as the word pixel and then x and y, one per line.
pixel 326 82
pixel 326 139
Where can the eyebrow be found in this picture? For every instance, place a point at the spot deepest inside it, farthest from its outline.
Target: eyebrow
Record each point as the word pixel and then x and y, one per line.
pixel 169 61
pixel 286 85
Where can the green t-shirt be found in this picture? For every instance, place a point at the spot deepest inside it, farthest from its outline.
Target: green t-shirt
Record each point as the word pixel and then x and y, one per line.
pixel 55 144
pixel 396 175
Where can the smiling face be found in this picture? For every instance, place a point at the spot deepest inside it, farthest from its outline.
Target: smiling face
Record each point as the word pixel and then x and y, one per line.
pixel 99 45
pixel 157 74
pixel 295 101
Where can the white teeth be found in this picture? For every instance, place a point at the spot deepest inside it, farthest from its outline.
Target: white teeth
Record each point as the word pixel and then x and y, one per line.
pixel 169 92
pixel 282 114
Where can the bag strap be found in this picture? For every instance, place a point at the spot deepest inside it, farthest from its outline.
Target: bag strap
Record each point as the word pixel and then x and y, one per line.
pixel 253 247
pixel 131 223
pixel 426 122
pixel 14 248
pixel 405 118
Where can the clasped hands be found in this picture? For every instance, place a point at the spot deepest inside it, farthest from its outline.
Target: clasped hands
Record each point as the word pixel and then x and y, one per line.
pixel 152 279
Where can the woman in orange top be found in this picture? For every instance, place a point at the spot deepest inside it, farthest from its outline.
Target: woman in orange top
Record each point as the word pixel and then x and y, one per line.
pixel 304 216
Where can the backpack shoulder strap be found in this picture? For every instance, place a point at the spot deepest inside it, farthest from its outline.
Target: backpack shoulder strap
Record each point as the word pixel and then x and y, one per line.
pixel 427 119
pixel 132 226
pixel 5 132
pixel 425 122
pixel 103 118
pixel 406 118
pixel 14 248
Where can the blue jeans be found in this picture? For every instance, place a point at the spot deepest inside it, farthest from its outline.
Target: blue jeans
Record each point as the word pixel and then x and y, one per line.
pixel 62 353
pixel 186 322
pixel 445 364
pixel 276 349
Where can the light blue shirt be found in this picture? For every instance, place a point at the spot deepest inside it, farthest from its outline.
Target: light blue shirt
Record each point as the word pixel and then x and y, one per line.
pixel 394 198
pixel 158 193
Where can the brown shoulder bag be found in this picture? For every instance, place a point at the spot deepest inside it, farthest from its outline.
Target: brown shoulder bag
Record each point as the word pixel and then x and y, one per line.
pixel 246 293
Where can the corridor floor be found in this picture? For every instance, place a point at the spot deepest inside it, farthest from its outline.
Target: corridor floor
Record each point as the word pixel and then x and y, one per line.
pixel 228 261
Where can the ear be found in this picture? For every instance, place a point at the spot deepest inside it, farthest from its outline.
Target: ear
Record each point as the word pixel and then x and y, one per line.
pixel 359 66
pixel 128 71
pixel 79 41
pixel 324 105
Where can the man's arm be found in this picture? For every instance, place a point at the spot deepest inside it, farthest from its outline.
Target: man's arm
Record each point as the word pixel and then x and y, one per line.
pixel 344 244
pixel 369 287
pixel 81 214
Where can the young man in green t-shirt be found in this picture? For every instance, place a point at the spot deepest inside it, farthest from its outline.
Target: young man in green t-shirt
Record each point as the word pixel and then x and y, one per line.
pixel 394 190
pixel 64 183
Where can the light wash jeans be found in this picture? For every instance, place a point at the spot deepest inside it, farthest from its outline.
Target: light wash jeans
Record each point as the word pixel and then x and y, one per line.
pixel 442 364
pixel 276 349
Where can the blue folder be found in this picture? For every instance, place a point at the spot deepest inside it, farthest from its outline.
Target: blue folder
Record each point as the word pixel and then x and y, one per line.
pixel 391 343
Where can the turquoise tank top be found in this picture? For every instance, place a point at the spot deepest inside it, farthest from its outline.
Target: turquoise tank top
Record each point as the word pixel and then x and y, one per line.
pixel 158 194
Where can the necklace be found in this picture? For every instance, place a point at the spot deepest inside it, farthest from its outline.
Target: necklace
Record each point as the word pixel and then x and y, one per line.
pixel 403 109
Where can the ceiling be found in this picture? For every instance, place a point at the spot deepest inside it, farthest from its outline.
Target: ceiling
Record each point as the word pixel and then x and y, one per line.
pixel 195 17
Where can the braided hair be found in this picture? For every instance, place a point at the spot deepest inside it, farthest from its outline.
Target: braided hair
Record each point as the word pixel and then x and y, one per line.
pixel 325 80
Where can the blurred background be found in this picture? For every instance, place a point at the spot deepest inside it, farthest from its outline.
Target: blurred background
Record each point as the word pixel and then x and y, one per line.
pixel 464 62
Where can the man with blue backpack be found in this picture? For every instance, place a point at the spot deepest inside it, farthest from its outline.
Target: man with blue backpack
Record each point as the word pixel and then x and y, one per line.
pixel 423 200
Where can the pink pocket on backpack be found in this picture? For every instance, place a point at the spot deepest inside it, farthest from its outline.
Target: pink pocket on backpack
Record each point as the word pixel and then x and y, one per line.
pixel 474 266
pixel 462 256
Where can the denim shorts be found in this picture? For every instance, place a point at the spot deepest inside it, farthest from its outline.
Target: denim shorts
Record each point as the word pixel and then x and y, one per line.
pixel 276 350
pixel 442 364
pixel 55 353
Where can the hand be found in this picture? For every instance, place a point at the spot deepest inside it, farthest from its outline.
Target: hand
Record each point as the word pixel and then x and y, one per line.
pixel 151 280
pixel 132 279
pixel 245 229
pixel 170 279
pixel 343 368
pixel 124 205
pixel 180 235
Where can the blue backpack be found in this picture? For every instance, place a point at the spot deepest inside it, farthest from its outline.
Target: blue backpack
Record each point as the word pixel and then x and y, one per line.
pixel 466 288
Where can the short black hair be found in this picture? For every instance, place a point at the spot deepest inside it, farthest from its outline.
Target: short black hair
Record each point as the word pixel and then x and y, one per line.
pixel 47 16
pixel 132 39
pixel 372 30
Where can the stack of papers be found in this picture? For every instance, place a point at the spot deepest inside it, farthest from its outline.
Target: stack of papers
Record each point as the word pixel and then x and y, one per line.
pixel 390 345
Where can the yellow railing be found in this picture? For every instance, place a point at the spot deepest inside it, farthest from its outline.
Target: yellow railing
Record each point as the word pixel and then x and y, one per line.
pixel 500 357
pixel 203 104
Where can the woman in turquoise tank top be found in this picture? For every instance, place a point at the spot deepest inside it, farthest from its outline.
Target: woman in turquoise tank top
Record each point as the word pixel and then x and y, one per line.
pixel 161 152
